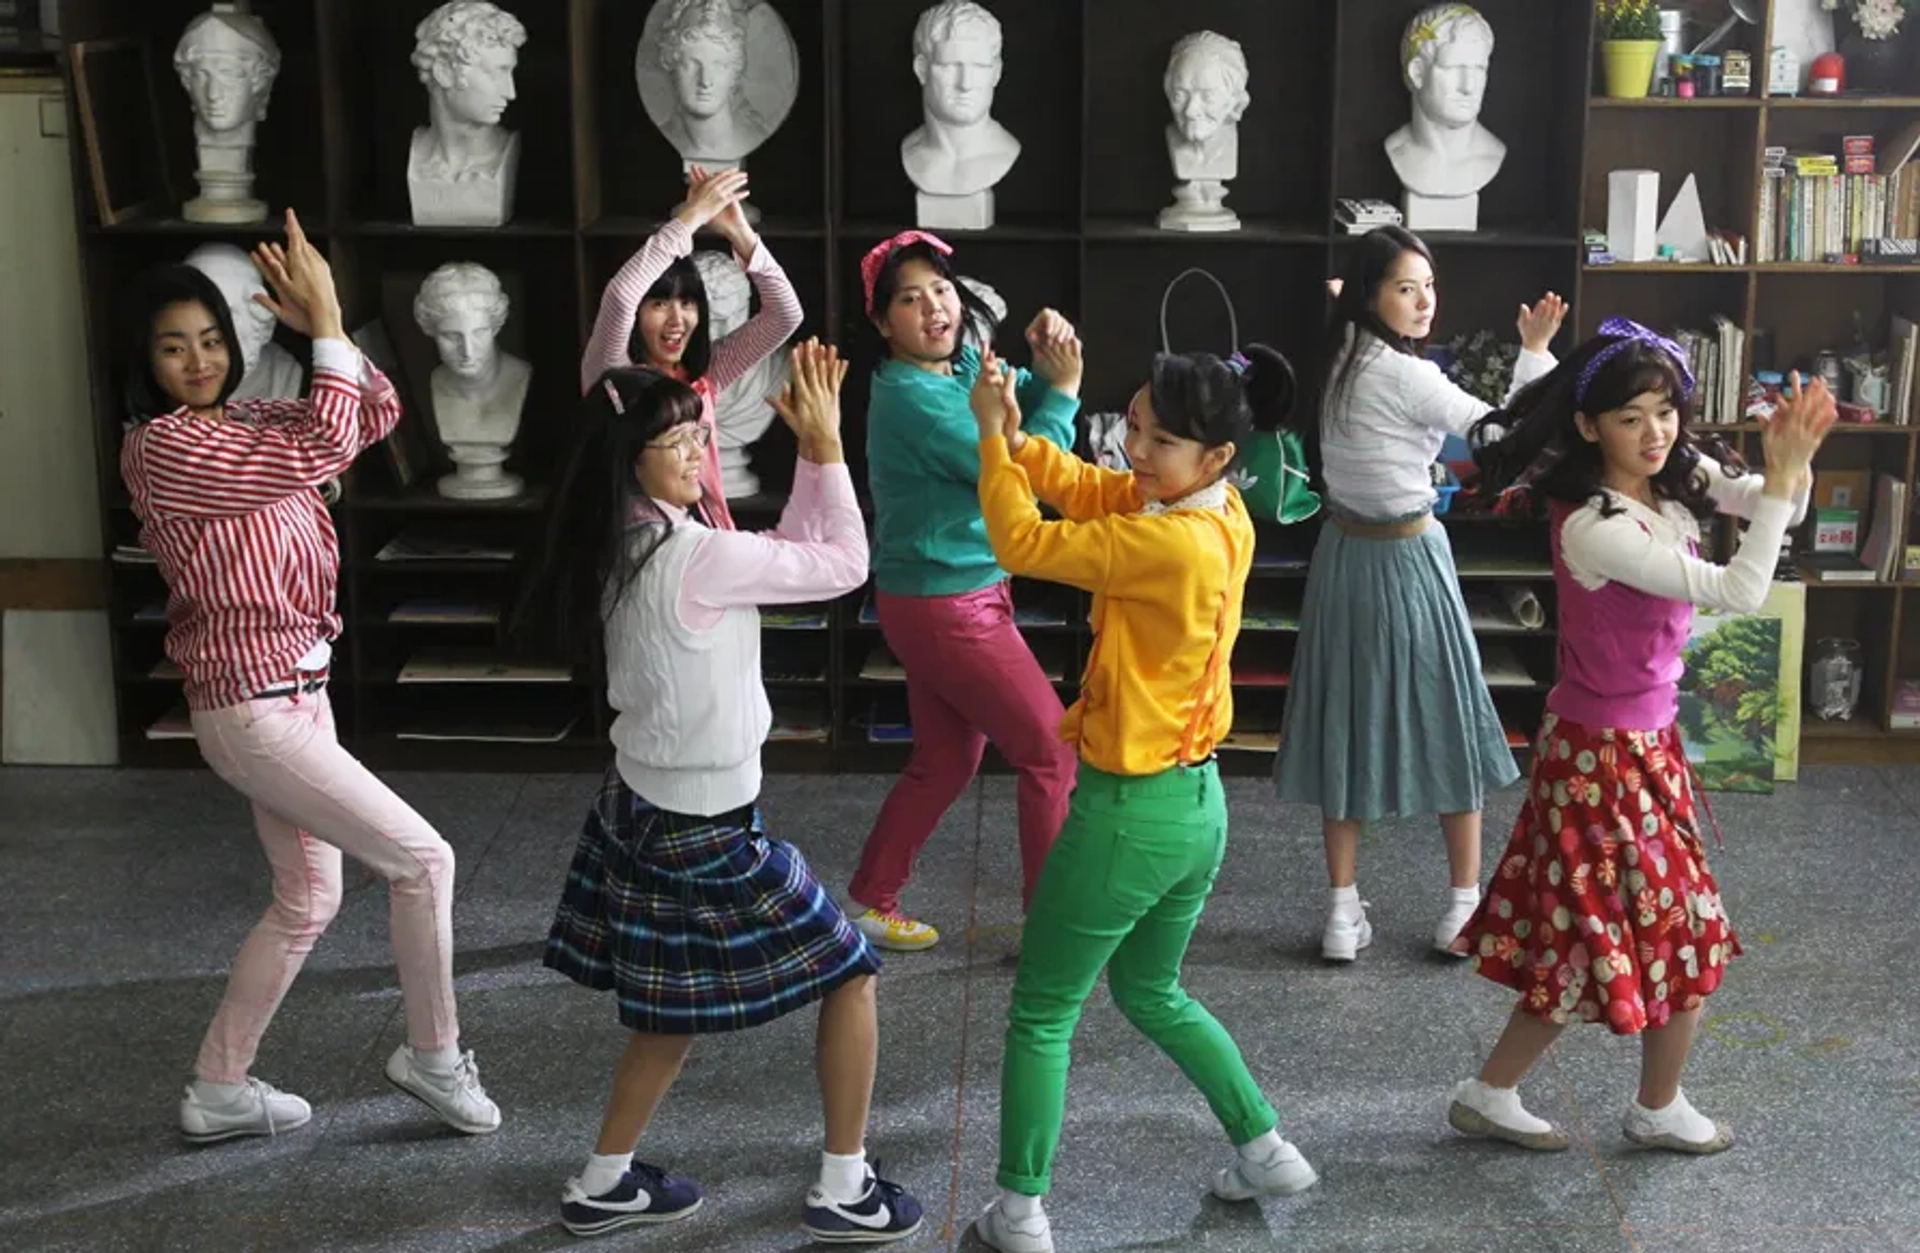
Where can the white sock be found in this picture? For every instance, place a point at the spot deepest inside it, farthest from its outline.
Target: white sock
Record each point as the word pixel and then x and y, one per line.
pixel 1502 1105
pixel 1018 1205
pixel 441 1060
pixel 1465 896
pixel 208 1092
pixel 603 1172
pixel 843 1176
pixel 1263 1148
pixel 1679 1119
pixel 1345 901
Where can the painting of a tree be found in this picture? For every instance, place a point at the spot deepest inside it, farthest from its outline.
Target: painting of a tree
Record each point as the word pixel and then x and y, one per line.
pixel 1730 701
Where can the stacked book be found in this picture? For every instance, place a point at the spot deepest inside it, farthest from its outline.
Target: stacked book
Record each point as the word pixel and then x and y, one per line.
pixel 1862 202
pixel 1718 357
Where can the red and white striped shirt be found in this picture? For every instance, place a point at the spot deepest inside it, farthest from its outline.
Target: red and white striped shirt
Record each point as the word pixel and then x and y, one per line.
pixel 743 348
pixel 231 509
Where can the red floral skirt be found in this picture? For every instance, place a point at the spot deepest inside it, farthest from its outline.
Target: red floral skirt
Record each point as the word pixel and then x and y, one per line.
pixel 1603 908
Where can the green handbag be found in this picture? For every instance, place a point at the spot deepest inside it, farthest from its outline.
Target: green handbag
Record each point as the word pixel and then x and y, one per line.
pixel 1273 478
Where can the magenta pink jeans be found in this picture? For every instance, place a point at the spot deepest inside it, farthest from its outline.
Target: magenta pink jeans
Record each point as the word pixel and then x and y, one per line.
pixel 313 801
pixel 970 678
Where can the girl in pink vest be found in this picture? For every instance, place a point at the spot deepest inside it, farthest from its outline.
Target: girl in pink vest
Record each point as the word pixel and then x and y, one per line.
pixel 1602 908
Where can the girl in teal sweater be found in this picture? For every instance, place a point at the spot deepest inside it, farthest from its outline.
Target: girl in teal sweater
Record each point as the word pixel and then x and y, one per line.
pixel 945 608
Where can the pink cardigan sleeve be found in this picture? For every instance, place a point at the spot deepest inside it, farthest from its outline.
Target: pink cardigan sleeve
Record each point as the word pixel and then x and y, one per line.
pixel 620 302
pixel 818 551
pixel 766 331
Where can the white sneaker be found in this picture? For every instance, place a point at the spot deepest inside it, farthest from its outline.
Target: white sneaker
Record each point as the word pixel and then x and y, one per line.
pixel 455 1095
pixel 1458 914
pixel 261 1110
pixel 1346 935
pixel 1283 1174
pixel 1033 1234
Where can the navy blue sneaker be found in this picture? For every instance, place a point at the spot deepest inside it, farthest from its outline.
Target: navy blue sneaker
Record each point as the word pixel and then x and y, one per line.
pixel 645 1194
pixel 888 1212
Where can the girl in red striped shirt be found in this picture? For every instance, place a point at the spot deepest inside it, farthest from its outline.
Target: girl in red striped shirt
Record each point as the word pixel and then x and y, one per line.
pixel 228 494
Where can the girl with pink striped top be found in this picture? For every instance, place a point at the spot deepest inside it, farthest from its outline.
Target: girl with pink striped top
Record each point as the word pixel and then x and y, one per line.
pixel 654 313
pixel 1602 908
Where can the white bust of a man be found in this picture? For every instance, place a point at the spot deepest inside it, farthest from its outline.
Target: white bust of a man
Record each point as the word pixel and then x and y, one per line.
pixel 477 389
pixel 741 411
pixel 462 165
pixel 1206 86
pixel 270 371
pixel 227 61
pixel 716 76
pixel 959 150
pixel 1444 152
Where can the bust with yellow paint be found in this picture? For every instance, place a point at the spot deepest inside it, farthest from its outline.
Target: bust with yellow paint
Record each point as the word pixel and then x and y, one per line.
pixel 1443 155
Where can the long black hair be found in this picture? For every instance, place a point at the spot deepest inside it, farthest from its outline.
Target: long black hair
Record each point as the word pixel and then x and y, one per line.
pixel 589 554
pixel 1533 448
pixel 680 281
pixel 1199 396
pixel 153 291
pixel 975 313
pixel 1347 348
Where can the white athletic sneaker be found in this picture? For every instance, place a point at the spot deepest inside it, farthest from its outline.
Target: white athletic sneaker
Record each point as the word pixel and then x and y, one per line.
pixel 1283 1174
pixel 260 1110
pixel 1033 1234
pixel 1346 935
pixel 455 1095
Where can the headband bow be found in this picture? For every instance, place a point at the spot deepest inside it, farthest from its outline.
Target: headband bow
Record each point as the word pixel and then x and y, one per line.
pixel 878 254
pixel 1625 332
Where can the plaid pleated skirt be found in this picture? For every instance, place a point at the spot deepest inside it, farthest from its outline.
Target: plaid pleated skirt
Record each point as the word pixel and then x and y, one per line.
pixel 697 924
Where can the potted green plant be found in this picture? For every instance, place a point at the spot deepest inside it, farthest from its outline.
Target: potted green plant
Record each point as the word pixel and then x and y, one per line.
pixel 1629 46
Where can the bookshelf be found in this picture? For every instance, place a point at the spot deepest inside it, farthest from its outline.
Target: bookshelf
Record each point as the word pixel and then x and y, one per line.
pixel 1081 90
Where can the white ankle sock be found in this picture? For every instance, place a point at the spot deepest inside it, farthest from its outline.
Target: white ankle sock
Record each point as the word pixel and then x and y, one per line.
pixel 1018 1205
pixel 603 1172
pixel 1345 901
pixel 208 1092
pixel 1502 1105
pixel 1465 896
pixel 440 1060
pixel 1679 1119
pixel 843 1176
pixel 1263 1148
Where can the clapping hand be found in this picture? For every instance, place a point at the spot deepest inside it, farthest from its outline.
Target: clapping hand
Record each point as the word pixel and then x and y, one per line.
pixel 300 289
pixel 1056 351
pixel 1540 322
pixel 810 402
pixel 994 405
pixel 715 199
pixel 1794 433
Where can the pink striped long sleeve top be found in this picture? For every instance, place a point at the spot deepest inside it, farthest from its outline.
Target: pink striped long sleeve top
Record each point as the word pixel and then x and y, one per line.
pixel 231 510
pixel 733 356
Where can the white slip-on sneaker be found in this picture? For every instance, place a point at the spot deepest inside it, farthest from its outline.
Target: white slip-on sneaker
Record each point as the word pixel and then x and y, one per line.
pixel 1679 1128
pixel 260 1110
pixel 1497 1114
pixel 455 1095
pixel 1283 1174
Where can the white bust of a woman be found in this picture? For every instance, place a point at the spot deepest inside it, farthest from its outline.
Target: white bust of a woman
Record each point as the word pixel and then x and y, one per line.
pixel 1206 87
pixel 477 389
pixel 1443 156
pixel 959 151
pixel 462 166
pixel 716 76
pixel 270 370
pixel 741 411
pixel 227 61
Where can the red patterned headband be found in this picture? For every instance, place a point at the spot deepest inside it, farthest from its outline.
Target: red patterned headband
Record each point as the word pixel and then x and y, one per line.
pixel 878 254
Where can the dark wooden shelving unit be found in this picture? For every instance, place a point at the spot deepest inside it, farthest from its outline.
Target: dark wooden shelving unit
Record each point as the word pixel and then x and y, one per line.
pixel 1081 90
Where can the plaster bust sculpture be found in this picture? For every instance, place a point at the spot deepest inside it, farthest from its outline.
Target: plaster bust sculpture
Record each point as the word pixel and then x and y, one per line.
pixel 959 152
pixel 983 325
pixel 716 76
pixel 741 410
pixel 1206 86
pixel 462 166
pixel 227 61
pixel 477 389
pixel 1443 156
pixel 269 372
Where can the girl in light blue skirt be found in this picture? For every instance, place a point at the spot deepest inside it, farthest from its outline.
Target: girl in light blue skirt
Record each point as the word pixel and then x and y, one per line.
pixel 1387 713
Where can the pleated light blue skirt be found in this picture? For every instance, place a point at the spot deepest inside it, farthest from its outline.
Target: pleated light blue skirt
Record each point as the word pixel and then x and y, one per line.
pixel 1388 715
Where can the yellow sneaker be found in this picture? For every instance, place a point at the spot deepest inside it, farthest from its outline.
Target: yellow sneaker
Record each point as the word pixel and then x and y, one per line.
pixel 895 932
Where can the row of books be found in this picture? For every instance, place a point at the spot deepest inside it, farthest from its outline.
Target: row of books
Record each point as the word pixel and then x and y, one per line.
pixel 1818 206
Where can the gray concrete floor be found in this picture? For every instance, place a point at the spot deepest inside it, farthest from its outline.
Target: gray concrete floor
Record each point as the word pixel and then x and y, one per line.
pixel 123 896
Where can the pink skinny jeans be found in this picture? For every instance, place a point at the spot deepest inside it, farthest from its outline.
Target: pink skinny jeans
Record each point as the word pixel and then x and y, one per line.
pixel 970 678
pixel 313 801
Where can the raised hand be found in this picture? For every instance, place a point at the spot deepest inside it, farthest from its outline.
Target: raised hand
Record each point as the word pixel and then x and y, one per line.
pixel 711 195
pixel 994 405
pixel 1540 321
pixel 810 402
pixel 1794 434
pixel 1049 335
pixel 299 281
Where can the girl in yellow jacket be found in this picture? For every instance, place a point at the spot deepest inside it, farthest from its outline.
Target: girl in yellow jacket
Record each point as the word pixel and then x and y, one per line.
pixel 1165 550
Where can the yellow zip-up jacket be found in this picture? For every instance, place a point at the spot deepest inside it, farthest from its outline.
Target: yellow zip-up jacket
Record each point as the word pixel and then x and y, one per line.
pixel 1167 590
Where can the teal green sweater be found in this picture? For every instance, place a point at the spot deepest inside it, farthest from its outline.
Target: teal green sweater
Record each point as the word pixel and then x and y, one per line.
pixel 923 466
